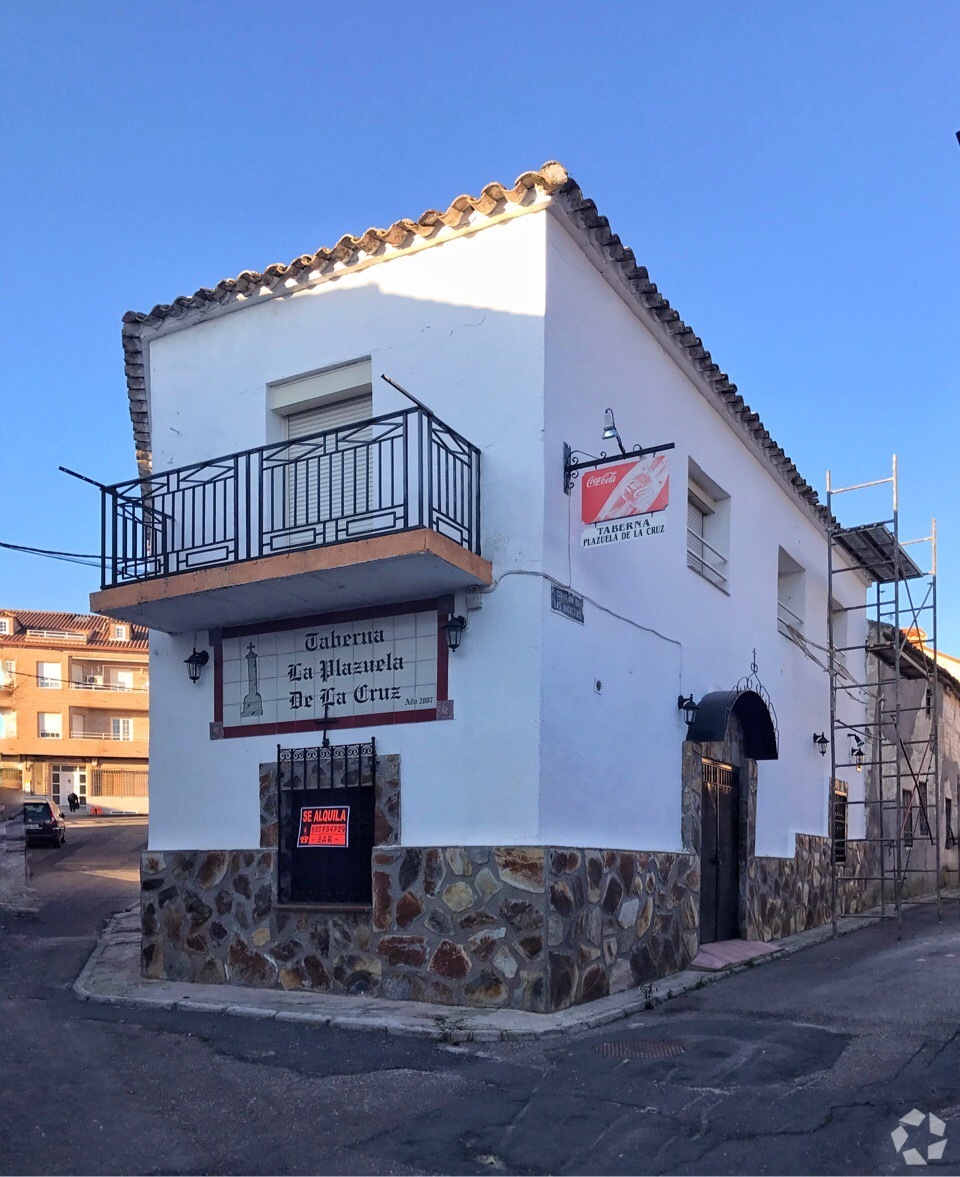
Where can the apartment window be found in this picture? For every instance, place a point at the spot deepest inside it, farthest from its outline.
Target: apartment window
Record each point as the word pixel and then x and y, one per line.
pixel 906 805
pixel 8 725
pixel 840 812
pixel 951 838
pixel 8 673
pixel 50 725
pixel 790 594
pixel 4 624
pixel 120 633
pixel 708 527
pixel 122 729
pixel 48 676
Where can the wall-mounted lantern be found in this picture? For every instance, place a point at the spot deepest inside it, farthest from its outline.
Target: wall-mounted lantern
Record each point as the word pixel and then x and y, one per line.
pixel 196 662
pixel 454 628
pixel 822 743
pixel 856 750
pixel 688 707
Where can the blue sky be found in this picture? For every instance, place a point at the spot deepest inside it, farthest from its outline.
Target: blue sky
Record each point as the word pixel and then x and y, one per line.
pixel 788 174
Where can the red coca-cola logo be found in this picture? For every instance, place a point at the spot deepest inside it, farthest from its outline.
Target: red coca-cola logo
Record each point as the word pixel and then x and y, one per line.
pixel 636 486
pixel 600 479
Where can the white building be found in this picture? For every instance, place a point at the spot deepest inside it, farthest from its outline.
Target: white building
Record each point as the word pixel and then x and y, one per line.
pixel 541 817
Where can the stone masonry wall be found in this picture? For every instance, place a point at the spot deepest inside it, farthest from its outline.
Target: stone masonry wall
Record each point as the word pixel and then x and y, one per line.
pixel 531 928
pixel 788 895
pixel 524 927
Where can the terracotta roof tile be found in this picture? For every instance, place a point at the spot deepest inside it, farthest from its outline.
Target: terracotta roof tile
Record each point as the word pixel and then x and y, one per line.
pixel 550 181
pixel 97 630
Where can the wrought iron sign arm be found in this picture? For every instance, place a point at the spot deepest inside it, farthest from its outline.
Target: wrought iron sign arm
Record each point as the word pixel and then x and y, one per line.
pixel 572 464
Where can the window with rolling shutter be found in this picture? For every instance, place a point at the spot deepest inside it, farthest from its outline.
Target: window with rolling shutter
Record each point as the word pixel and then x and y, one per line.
pixel 694 537
pixel 707 529
pixel 330 480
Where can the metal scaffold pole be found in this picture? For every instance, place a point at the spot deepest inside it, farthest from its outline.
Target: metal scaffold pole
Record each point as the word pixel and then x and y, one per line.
pixel 890 713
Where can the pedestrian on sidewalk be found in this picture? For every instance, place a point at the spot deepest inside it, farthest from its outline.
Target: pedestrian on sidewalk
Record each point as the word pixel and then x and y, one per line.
pixel 74 801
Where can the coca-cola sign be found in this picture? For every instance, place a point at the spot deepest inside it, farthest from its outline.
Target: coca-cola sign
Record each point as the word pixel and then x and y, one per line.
pixel 636 486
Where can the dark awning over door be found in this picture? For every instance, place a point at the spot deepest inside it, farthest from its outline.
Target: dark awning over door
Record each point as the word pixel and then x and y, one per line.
pixel 713 714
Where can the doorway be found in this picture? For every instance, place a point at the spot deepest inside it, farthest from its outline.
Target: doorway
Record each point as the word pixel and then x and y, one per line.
pixel 66 779
pixel 719 852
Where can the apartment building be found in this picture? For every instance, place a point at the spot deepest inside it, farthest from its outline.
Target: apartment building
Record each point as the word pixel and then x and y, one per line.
pixel 74 700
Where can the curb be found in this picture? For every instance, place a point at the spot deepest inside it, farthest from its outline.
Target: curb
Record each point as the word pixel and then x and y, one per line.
pixel 111 977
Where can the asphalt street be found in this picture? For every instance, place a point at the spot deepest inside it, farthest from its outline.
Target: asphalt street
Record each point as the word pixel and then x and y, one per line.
pixel 802 1065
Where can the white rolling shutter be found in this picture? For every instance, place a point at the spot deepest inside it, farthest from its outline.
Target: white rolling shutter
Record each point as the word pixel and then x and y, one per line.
pixel 322 417
pixel 694 536
pixel 327 483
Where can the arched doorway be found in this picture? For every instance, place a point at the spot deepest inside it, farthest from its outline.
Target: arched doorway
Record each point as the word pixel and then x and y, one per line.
pixel 731 731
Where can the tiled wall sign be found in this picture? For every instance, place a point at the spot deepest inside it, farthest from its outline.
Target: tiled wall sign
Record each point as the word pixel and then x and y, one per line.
pixel 342 670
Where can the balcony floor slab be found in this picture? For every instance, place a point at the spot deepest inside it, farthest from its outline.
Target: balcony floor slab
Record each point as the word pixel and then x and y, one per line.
pixel 409 565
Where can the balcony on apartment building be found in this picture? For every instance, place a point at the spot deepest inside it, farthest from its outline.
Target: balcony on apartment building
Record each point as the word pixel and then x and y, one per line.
pixel 108 678
pixel 103 726
pixel 385 509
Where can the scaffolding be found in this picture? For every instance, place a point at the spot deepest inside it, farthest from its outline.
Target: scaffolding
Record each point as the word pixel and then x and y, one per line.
pixel 884 722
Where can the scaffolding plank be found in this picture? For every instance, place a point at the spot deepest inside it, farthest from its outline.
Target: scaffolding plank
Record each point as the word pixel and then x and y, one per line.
pixel 876 551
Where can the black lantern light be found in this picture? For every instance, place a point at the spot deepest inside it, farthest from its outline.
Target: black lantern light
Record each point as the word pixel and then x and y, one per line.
pixel 196 662
pixel 688 707
pixel 822 743
pixel 454 628
pixel 856 750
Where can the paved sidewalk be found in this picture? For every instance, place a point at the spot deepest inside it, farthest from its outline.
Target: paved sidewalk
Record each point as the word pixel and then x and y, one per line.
pixel 112 977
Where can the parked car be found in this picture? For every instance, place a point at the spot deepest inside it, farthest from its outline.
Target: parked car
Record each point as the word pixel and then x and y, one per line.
pixel 43 822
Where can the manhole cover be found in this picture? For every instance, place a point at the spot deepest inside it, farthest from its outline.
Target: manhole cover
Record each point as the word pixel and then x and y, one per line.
pixel 642 1049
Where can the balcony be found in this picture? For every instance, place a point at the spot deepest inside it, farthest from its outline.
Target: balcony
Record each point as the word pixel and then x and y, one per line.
pixel 111 677
pixel 382 510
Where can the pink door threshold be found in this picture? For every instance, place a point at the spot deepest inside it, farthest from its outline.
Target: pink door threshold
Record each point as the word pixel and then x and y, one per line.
pixel 725 953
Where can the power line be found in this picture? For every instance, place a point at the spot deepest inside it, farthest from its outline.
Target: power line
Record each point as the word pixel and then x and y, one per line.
pixel 88 559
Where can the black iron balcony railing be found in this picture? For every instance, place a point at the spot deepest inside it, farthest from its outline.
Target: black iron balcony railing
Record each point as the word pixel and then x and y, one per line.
pixel 376 477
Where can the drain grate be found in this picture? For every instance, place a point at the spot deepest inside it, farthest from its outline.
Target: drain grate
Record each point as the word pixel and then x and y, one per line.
pixel 644 1048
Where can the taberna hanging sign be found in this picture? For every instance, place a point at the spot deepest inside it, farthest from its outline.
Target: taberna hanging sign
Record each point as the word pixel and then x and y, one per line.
pixel 625 500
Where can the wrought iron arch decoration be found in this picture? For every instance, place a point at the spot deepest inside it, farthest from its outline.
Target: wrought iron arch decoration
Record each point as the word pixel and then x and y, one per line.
pixel 751 704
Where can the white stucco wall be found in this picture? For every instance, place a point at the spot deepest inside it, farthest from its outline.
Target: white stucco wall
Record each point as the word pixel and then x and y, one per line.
pixel 460 326
pixel 536 753
pixel 599 353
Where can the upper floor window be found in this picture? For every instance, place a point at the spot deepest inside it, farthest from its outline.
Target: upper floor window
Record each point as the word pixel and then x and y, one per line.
pixel 50 725
pixel 791 578
pixel 8 725
pixel 48 675
pixel 121 633
pixel 8 673
pixel 708 527
pixel 4 625
pixel 322 390
pixel 121 729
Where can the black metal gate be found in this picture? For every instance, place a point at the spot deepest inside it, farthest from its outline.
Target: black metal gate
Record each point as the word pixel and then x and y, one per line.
pixel 326 807
pixel 719 852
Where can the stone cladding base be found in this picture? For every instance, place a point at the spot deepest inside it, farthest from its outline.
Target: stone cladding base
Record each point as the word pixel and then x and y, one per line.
pixel 529 928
